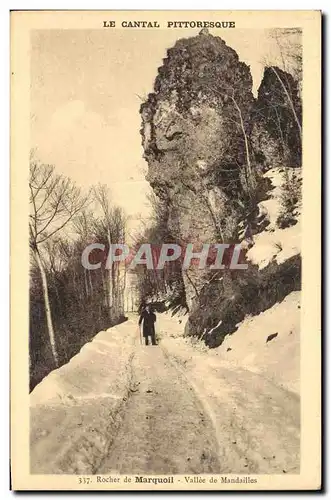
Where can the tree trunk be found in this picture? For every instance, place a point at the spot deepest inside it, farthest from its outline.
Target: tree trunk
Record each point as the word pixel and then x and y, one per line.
pixel 85 283
pixel 249 178
pixel 104 289
pixel 110 279
pixel 124 287
pixel 289 100
pixel 47 306
pixel 90 281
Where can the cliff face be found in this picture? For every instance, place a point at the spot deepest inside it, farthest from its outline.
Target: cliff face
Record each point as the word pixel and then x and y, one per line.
pixel 277 117
pixel 207 142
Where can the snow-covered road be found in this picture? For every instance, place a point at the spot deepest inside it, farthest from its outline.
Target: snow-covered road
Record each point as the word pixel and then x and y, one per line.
pixel 120 407
pixel 165 429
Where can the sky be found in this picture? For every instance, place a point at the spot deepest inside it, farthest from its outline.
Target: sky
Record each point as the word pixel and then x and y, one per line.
pixel 86 90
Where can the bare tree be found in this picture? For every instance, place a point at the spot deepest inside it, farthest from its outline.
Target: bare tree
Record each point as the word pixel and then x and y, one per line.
pixel 112 224
pixel 84 225
pixel 289 46
pixel 289 99
pixel 102 196
pixel 228 93
pixel 118 225
pixel 54 200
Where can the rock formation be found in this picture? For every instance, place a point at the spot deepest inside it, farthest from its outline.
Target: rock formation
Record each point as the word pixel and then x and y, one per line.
pixel 207 141
pixel 276 118
pixel 194 130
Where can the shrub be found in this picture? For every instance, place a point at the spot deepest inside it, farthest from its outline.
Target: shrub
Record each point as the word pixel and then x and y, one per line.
pixel 290 198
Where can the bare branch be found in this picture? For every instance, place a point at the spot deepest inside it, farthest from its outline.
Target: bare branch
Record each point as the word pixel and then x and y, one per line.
pixel 54 200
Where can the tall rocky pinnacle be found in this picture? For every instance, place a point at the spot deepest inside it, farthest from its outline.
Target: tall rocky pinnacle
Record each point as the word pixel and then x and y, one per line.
pixel 195 135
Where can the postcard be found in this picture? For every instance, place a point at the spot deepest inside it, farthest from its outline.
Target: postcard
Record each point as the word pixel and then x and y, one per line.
pixel 165 250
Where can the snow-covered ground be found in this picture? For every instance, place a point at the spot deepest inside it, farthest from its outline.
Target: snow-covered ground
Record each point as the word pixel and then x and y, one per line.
pixel 249 387
pixel 267 344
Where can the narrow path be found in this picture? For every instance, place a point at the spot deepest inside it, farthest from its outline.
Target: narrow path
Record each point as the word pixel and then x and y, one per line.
pixel 165 429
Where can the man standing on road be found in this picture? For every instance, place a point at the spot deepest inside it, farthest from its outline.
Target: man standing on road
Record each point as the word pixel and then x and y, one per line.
pixel 148 318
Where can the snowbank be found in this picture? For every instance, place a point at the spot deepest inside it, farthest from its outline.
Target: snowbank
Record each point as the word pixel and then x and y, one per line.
pixel 273 242
pixel 268 344
pixel 249 386
pixel 257 421
pixel 75 410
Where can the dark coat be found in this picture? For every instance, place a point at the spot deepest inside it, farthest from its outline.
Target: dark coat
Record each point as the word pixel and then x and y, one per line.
pixel 148 319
